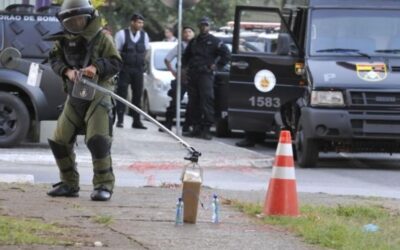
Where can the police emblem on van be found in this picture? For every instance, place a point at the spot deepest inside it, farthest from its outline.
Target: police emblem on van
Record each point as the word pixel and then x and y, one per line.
pixel 265 80
pixel 372 72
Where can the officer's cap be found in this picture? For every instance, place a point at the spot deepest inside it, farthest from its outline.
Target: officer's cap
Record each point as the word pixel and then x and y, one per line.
pixel 204 21
pixel 187 27
pixel 137 16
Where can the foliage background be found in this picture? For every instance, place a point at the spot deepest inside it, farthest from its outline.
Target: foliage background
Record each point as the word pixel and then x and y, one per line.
pixel 117 13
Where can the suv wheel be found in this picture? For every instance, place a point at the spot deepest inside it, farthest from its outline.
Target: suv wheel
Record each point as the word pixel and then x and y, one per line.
pixel 306 149
pixel 14 120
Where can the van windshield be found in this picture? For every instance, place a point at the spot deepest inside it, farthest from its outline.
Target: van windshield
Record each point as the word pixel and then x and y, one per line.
pixel 356 32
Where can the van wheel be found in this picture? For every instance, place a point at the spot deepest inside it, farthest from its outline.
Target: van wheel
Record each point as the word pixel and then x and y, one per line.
pixel 14 120
pixel 306 149
pixel 222 127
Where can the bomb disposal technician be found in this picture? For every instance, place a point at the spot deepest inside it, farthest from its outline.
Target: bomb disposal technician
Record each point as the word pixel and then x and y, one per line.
pixel 82 47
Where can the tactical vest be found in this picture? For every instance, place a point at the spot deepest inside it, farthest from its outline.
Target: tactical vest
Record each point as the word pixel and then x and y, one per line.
pixel 133 54
pixel 76 52
pixel 203 53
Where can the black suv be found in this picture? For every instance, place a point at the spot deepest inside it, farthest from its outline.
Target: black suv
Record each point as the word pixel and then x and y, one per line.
pixel 327 70
pixel 29 94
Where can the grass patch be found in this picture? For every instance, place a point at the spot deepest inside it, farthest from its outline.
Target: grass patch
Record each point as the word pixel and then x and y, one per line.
pixel 15 231
pixel 103 219
pixel 339 227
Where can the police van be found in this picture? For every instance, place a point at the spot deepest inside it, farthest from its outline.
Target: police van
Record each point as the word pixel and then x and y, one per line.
pixel 28 94
pixel 331 75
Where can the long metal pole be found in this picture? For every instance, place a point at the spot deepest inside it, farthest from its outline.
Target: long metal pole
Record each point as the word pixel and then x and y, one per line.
pixel 130 105
pixel 179 65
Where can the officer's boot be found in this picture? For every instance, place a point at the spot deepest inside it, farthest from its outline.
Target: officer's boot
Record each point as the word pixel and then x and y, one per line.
pixel 196 132
pixel 103 178
pixel 65 158
pixel 168 123
pixel 120 119
pixel 206 134
pixel 185 127
pixel 136 121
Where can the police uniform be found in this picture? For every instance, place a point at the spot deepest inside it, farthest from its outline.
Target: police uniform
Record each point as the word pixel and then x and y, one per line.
pixel 91 117
pixel 133 49
pixel 171 109
pixel 202 52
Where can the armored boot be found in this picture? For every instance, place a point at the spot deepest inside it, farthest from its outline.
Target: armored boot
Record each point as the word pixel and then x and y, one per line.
pixel 63 189
pixel 103 178
pixel 65 158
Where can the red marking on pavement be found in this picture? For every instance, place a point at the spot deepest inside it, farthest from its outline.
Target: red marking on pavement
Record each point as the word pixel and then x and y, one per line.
pixel 142 167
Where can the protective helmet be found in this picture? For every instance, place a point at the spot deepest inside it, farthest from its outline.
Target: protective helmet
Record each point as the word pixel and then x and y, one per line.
pixel 75 15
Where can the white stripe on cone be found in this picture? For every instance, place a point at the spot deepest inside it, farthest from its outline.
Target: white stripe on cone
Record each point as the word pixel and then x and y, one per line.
pixel 286 173
pixel 284 149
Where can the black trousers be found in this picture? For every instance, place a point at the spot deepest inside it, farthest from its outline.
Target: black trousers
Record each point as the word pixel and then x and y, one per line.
pixel 134 78
pixel 201 98
pixel 171 109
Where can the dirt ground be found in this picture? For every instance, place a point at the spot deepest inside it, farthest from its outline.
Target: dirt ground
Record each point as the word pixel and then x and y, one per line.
pixel 143 218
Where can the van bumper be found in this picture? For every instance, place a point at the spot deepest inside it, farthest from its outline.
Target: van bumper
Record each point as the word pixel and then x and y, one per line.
pixel 351 128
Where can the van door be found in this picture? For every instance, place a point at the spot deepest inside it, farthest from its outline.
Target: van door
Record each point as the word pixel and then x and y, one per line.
pixel 263 78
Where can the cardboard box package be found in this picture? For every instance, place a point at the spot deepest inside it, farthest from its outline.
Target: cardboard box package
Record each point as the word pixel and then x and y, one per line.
pixel 192 177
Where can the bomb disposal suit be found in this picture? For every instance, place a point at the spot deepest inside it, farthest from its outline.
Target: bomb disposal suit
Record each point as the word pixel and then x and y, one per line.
pixel 84 48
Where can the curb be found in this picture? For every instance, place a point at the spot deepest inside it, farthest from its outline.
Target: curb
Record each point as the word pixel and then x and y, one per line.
pixel 17 178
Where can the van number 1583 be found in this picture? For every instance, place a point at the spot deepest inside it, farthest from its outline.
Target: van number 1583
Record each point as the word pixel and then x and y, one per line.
pixel 267 102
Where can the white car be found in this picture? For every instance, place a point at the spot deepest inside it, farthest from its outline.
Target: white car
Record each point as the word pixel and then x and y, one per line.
pixel 157 79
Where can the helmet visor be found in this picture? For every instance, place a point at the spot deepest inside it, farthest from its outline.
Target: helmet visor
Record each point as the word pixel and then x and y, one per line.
pixel 76 24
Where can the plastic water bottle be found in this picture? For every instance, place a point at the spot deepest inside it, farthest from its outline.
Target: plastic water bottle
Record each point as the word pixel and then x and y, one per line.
pixel 370 228
pixel 215 209
pixel 179 212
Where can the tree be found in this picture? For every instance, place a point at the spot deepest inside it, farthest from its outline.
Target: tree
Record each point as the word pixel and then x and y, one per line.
pixel 117 13
pixel 158 16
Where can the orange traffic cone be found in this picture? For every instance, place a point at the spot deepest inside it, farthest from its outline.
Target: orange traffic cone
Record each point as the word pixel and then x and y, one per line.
pixel 281 198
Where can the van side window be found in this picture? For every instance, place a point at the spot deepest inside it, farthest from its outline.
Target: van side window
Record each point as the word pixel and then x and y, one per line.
pixel 262 32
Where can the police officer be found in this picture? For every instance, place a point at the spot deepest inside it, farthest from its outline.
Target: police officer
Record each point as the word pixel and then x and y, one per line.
pixel 83 48
pixel 132 43
pixel 169 35
pixel 201 57
pixel 187 35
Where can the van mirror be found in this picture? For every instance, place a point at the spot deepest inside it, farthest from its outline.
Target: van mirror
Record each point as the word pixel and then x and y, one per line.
pixel 283 44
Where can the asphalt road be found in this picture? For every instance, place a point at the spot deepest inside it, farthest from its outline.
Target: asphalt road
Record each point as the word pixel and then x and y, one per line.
pixel 367 174
pixel 150 158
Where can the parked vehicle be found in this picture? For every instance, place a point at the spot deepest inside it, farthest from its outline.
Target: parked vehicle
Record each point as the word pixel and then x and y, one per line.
pixel 157 83
pixel 221 84
pixel 331 77
pixel 28 94
pixel 157 80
